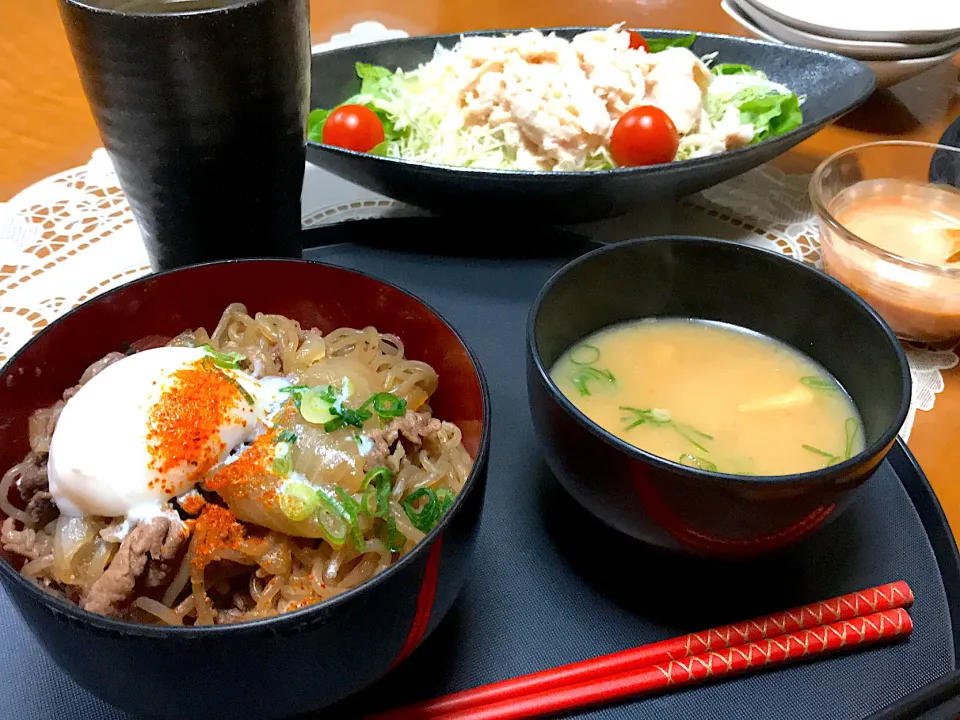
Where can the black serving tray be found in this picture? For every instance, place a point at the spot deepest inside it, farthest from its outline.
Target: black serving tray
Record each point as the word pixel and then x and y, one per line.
pixel 551 585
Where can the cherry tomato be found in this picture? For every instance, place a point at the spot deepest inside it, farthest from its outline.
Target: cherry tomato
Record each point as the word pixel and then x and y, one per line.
pixel 353 127
pixel 645 135
pixel 637 41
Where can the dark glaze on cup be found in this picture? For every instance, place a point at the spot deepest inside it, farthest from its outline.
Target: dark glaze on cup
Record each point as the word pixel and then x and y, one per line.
pixel 680 508
pixel 203 113
pixel 291 663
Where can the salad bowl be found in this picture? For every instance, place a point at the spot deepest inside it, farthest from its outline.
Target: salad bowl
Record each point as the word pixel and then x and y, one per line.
pixel 829 85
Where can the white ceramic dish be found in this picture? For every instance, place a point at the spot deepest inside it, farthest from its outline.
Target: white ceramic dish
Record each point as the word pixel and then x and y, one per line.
pixel 922 21
pixel 888 72
pixel 859 49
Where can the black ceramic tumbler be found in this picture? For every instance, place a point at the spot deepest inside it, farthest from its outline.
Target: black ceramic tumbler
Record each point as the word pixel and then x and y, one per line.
pixel 202 106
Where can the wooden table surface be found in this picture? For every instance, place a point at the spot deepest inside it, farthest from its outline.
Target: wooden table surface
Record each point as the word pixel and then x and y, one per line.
pixel 45 125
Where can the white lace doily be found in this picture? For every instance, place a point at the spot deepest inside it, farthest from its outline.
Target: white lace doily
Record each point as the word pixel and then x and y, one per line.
pixel 72 236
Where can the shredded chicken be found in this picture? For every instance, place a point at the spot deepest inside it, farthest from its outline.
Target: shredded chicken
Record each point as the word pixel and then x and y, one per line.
pixel 555 102
pixel 148 552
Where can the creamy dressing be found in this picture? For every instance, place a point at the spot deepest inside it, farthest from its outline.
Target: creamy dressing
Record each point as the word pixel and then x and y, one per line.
pixel 917 221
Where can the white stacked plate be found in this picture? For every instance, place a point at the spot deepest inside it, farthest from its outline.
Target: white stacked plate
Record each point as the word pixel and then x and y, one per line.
pixel 897 39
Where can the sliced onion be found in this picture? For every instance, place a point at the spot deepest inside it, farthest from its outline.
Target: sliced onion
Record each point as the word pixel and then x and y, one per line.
pixel 73 546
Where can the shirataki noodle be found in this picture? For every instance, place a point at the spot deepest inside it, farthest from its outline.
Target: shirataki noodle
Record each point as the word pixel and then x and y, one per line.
pixel 224 552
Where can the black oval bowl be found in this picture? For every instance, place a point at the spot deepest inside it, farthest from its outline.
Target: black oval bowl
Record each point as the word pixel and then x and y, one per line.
pixel 679 508
pixel 833 85
pixel 291 663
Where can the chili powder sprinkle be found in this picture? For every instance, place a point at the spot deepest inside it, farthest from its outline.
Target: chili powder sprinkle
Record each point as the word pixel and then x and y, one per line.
pixel 215 529
pixel 185 423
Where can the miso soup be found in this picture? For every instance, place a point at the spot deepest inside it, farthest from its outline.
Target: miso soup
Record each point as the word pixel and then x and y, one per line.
pixel 712 396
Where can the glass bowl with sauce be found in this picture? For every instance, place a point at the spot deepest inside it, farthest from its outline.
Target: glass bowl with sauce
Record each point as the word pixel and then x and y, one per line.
pixel 889 215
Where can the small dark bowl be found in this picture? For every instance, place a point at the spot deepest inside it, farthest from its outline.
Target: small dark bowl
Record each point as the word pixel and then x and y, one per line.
pixel 833 85
pixel 292 663
pixel 679 508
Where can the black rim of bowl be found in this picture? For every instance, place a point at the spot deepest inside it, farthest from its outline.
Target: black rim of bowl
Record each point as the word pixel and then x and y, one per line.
pixel 303 615
pixel 674 165
pixel 885 439
pixel 91 6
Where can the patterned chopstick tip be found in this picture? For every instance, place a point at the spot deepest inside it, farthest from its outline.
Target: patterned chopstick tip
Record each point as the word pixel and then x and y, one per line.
pixel 845 607
pixel 813 642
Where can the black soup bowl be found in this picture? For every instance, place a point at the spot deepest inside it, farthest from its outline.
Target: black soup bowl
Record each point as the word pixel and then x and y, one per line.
pixel 832 85
pixel 663 503
pixel 291 663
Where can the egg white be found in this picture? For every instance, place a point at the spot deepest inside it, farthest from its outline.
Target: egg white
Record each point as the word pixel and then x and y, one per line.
pixel 100 458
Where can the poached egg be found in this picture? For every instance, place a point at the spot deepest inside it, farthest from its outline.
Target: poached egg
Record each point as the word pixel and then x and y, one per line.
pixel 151 426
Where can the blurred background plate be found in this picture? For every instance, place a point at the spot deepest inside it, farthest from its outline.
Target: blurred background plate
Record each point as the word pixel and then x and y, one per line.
pixel 888 72
pixel 858 49
pixel 885 20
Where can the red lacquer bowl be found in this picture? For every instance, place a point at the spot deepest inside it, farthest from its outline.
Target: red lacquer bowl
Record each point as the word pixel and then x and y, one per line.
pixel 292 663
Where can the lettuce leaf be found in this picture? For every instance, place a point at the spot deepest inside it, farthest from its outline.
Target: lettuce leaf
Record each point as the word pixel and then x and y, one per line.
pixel 315 122
pixel 661 44
pixel 771 115
pixel 734 69
pixel 374 79
pixel 375 84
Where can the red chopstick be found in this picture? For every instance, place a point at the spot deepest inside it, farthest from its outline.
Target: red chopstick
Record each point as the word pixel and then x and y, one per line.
pixel 846 607
pixel 805 644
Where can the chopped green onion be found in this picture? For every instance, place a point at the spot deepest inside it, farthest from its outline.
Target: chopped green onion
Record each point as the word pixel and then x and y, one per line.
pixel 584 354
pixel 287 436
pixel 333 517
pixel 388 405
pixel 396 540
pixel 697 432
pixel 819 383
pixel 296 392
pixel 446 496
pixel 818 451
pixel 682 430
pixel 377 472
pixel 315 405
pixel 209 364
pixel 659 416
pixel 697 462
pixel 282 461
pixel 831 458
pixel 345 416
pixel 298 501
pixel 586 374
pixel 427 516
pixel 640 416
pixel 351 509
pixel 852 428
pixel 377 484
pixel 230 360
